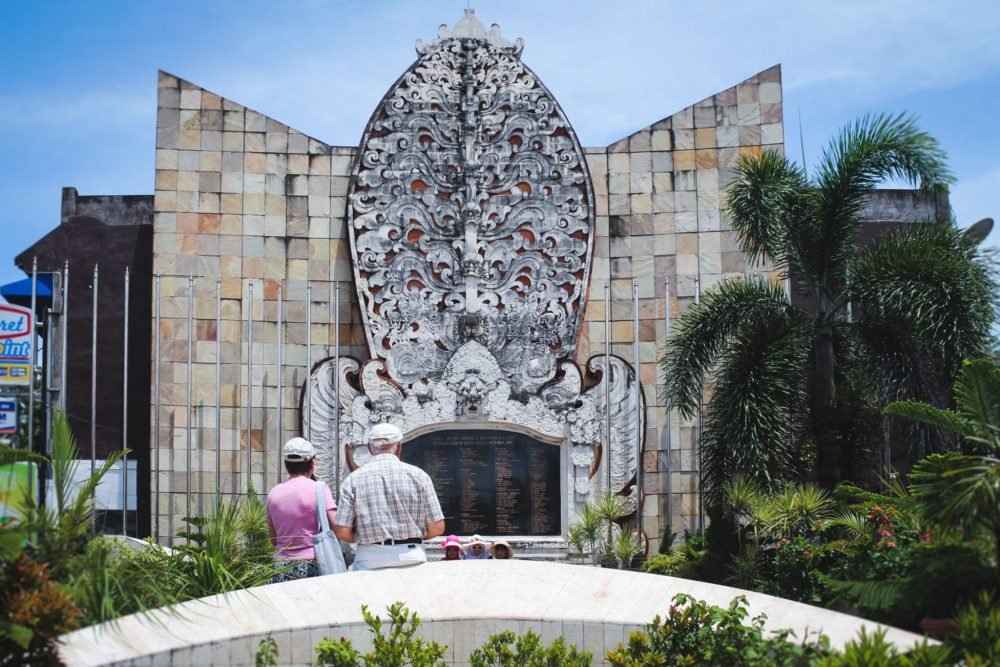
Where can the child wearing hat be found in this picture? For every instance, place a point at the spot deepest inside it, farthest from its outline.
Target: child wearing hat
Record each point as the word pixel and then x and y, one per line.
pixel 452 548
pixel 501 550
pixel 476 549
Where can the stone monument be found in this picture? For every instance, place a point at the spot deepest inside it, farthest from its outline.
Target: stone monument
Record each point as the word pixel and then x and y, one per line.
pixel 471 216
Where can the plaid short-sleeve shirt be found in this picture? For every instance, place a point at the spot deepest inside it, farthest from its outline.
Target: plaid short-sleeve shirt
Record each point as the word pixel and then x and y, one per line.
pixel 387 499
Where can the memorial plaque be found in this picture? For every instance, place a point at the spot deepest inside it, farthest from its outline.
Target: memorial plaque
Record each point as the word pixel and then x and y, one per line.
pixel 491 482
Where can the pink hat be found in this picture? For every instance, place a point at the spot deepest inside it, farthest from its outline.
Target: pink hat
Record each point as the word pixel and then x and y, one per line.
pixel 451 541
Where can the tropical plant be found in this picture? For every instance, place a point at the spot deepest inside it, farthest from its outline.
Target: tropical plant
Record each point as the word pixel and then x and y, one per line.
pixel 696 633
pixel 225 550
pixel 509 649
pixel 610 507
pixel 963 489
pixel 624 546
pixel 61 531
pixel 873 650
pixel 587 530
pixel 887 560
pixel 34 611
pixel 789 381
pixel 977 632
pixel 267 653
pixel 394 645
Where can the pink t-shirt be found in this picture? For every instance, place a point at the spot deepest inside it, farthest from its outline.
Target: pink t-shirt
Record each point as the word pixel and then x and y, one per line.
pixel 291 509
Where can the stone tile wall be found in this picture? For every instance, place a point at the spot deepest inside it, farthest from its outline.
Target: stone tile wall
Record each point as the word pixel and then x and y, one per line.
pixel 241 200
pixel 661 215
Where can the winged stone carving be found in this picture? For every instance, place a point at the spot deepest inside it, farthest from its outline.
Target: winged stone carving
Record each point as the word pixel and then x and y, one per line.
pixel 471 221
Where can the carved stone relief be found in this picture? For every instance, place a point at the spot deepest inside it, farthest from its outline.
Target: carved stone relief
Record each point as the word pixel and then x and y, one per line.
pixel 471 222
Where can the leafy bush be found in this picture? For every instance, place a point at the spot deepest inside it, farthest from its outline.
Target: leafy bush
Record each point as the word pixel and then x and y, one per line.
pixel 793 572
pixel 267 653
pixel 977 637
pixel 395 648
pixel 696 633
pixel 872 650
pixel 676 564
pixel 30 600
pixel 508 649
pixel 61 531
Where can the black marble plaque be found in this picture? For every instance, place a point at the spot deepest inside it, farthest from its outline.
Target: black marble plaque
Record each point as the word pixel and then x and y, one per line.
pixel 491 482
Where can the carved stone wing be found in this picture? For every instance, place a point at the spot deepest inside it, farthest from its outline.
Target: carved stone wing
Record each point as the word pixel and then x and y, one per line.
pixel 627 418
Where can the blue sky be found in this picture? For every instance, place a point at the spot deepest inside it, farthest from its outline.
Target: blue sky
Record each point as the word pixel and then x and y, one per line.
pixel 78 100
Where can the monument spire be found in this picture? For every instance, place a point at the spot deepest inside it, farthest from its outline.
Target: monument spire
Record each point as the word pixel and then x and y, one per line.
pixel 470 27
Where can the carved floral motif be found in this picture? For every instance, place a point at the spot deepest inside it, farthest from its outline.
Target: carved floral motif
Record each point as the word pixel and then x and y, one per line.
pixel 471 223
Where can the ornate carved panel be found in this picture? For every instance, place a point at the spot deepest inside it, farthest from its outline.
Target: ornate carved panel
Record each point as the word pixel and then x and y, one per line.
pixel 471 214
pixel 471 221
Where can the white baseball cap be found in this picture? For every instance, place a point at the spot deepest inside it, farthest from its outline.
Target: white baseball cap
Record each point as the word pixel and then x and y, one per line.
pixel 383 434
pixel 298 449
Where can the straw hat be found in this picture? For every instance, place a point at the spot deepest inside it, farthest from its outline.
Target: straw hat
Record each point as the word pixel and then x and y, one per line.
pixel 501 543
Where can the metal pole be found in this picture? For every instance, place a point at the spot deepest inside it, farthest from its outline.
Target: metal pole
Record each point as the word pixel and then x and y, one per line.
pixel 607 379
pixel 31 369
pixel 156 413
pixel 250 386
pixel 190 340
pixel 701 478
pixel 47 355
pixel 125 414
pixel 281 370
pixel 638 404
pixel 307 417
pixel 93 393
pixel 65 335
pixel 336 386
pixel 666 339
pixel 218 391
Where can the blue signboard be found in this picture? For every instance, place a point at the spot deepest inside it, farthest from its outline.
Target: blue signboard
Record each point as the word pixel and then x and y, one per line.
pixel 8 415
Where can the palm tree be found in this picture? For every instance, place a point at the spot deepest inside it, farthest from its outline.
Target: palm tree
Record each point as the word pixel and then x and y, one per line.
pixel 962 489
pixel 789 384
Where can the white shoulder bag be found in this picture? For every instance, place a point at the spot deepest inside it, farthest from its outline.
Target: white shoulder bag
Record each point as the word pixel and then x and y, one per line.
pixel 328 554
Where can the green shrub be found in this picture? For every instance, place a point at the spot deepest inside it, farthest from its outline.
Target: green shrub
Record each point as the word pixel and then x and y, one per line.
pixel 339 653
pixel 393 646
pixel 977 637
pixel 695 633
pixel 508 649
pixel 872 650
pixel 34 611
pixel 675 564
pixel 267 653
pixel 793 572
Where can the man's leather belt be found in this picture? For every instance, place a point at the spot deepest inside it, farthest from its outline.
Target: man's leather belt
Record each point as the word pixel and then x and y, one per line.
pixel 408 540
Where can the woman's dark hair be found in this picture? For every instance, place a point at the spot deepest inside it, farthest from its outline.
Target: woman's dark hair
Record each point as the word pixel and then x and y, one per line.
pixel 298 467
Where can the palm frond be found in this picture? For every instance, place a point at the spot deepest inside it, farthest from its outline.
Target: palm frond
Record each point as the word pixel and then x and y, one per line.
pixel 925 282
pixel 977 393
pixel 856 525
pixel 879 596
pixel 755 418
pixel 928 414
pixel 763 202
pixel 729 310
pixel 9 455
pixel 866 153
pixel 958 488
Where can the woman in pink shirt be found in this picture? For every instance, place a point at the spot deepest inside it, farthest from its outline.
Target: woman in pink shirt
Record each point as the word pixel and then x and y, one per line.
pixel 291 513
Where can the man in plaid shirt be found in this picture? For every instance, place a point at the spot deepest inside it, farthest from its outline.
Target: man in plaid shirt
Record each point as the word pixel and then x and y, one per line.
pixel 388 507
